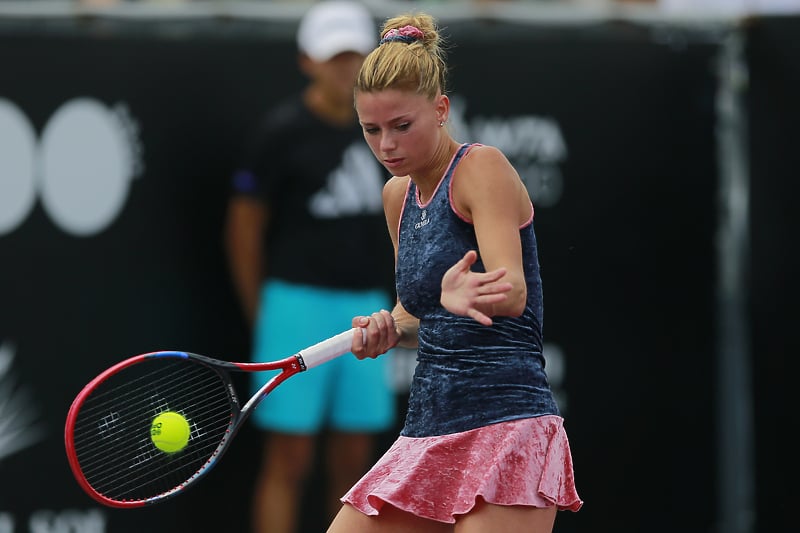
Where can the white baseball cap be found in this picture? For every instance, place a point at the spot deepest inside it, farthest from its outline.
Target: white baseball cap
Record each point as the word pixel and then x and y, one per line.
pixel 335 26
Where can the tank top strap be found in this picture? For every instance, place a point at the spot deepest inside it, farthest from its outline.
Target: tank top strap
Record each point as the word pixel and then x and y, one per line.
pixel 460 153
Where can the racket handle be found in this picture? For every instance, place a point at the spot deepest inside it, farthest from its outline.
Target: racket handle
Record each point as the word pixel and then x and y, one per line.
pixel 331 348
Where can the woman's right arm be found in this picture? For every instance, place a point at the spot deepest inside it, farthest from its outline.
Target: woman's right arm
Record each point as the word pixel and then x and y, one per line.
pixel 385 329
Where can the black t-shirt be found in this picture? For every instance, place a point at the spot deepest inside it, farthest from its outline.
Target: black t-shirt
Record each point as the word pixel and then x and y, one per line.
pixel 322 186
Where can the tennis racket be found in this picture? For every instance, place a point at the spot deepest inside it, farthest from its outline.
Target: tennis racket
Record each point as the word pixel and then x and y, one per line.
pixel 108 429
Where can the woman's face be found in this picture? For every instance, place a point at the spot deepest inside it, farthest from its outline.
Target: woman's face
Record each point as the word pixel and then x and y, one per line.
pixel 401 128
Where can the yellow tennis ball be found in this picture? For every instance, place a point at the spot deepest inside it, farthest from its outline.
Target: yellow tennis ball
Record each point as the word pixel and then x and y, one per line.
pixel 170 432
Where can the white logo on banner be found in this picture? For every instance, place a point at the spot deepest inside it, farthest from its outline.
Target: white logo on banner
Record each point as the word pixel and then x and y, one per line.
pixel 17 156
pixel 556 367
pixel 61 521
pixel 19 420
pixel 80 169
pixel 533 144
pixel 353 188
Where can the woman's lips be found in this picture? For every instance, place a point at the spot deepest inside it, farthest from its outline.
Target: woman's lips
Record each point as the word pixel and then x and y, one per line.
pixel 393 162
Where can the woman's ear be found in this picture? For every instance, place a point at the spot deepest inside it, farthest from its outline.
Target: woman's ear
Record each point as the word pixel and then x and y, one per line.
pixel 442 108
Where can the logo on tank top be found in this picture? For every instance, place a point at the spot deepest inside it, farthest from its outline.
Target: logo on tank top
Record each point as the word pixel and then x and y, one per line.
pixel 423 220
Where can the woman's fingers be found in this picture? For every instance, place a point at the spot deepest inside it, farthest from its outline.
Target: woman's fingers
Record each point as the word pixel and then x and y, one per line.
pixel 379 334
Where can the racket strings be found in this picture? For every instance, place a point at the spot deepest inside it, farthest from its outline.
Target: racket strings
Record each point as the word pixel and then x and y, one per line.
pixel 112 430
pixel 104 476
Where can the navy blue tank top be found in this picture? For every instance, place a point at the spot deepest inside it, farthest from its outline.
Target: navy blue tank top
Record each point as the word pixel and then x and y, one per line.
pixel 468 375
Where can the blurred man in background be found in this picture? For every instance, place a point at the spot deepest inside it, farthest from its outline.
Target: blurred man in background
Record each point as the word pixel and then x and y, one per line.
pixel 307 249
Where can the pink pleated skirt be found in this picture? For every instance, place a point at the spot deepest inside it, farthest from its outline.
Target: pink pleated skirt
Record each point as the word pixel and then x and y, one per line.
pixel 521 462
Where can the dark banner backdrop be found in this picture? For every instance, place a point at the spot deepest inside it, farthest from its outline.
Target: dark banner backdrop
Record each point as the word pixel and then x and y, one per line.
pixel 611 126
pixel 774 111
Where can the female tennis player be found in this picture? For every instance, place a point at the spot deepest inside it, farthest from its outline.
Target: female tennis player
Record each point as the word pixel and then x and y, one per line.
pixel 483 447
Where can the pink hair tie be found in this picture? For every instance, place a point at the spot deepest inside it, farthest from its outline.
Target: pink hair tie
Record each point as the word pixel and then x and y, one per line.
pixel 406 34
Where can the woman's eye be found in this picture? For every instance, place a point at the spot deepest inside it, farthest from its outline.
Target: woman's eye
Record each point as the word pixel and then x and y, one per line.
pixel 404 126
pixel 371 131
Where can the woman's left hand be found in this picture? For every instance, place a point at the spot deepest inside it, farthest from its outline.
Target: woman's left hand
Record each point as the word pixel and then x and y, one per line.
pixel 472 294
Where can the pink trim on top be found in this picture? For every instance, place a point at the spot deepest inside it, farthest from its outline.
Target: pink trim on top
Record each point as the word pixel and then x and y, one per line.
pixel 450 189
pixel 530 219
pixel 446 170
pixel 453 205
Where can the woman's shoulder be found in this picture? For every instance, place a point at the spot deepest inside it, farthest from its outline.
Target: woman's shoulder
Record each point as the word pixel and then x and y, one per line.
pixel 485 154
pixel 396 186
pixel 484 160
pixel 394 192
pixel 486 177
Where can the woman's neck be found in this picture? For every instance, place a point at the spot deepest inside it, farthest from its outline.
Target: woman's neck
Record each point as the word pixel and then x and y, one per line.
pixel 428 181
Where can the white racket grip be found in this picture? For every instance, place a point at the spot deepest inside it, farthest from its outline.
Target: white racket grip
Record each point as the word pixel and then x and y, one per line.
pixel 329 349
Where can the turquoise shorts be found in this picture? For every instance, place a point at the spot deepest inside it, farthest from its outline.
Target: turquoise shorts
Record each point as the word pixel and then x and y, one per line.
pixel 345 394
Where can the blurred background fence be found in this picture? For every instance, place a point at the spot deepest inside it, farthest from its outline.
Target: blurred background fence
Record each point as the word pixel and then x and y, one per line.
pixel 661 153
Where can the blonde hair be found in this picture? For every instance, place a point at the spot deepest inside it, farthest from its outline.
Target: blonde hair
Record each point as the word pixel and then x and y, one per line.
pixel 418 65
